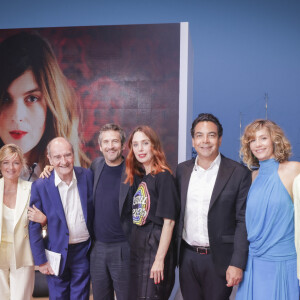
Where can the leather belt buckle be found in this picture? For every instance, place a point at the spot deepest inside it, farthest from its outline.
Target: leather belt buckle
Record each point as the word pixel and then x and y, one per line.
pixel 202 251
pixel 199 249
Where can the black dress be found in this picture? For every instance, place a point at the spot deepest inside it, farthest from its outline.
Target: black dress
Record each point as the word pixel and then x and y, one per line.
pixel 155 198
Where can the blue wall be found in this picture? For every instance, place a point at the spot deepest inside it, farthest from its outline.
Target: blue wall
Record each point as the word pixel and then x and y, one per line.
pixel 242 50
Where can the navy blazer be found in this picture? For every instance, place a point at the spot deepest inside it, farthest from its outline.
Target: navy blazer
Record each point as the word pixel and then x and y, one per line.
pixel 124 201
pixel 45 196
pixel 226 215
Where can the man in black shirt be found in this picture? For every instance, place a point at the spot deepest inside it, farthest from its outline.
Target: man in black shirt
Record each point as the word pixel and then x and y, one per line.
pixel 110 253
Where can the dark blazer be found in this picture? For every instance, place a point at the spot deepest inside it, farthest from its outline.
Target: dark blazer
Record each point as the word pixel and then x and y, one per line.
pixel 124 206
pixel 226 216
pixel 45 196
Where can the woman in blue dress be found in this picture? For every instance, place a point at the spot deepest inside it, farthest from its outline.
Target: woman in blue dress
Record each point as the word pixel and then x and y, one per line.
pixel 271 271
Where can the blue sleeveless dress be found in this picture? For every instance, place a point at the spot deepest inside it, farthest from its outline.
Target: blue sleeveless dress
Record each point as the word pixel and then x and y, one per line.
pixel 271 271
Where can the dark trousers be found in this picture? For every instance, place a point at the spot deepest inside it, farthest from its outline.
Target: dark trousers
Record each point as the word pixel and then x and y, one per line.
pixel 199 279
pixel 110 270
pixel 144 244
pixel 74 282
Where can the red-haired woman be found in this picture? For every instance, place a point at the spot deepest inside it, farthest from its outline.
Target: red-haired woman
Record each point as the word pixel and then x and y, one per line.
pixel 155 207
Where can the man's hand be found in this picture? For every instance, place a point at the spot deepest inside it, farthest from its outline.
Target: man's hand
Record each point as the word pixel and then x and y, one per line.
pixel 234 276
pixel 46 269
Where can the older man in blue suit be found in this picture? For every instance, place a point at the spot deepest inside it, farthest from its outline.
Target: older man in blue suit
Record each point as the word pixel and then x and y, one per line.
pixel 66 199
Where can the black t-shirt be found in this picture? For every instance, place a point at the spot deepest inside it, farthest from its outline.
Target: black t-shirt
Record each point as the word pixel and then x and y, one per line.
pixel 156 198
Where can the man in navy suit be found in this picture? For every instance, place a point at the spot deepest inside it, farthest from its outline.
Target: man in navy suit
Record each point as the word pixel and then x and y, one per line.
pixel 110 253
pixel 212 237
pixel 66 199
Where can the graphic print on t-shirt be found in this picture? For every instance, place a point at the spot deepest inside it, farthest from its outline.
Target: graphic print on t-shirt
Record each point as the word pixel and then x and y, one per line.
pixel 141 205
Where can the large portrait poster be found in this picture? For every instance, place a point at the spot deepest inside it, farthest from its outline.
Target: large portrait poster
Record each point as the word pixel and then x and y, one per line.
pixel 71 81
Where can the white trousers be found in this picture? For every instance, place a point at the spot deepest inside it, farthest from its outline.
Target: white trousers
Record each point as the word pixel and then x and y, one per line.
pixel 15 284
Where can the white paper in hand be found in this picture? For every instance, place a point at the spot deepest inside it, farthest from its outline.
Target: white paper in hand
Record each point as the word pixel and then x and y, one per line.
pixel 54 260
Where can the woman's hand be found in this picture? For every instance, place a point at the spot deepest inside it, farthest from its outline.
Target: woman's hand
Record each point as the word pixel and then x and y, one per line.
pixel 35 215
pixel 157 271
pixel 46 172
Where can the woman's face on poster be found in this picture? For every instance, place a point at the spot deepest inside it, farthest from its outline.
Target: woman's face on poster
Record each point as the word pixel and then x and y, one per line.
pixel 23 113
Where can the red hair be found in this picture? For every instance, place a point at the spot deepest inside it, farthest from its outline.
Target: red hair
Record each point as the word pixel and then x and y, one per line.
pixel 159 161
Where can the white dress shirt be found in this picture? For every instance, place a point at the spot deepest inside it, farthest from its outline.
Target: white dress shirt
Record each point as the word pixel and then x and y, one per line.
pixel 71 203
pixel 200 189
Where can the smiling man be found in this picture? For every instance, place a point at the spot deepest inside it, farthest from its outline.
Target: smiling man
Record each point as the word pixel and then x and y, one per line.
pixel 110 252
pixel 66 200
pixel 212 237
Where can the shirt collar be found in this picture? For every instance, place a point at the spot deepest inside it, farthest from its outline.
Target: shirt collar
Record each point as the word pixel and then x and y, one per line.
pixel 57 179
pixel 216 163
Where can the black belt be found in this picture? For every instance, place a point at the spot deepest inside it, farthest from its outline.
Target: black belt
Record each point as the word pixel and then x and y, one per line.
pixel 198 249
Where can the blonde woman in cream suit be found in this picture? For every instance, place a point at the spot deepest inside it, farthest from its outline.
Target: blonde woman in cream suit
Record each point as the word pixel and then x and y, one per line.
pixel 16 263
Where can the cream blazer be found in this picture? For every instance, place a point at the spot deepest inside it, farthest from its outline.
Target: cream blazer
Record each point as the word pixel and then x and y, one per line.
pixel 22 249
pixel 296 194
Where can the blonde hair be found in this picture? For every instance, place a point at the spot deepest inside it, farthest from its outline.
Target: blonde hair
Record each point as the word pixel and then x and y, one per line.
pixel 281 145
pixel 64 107
pixel 9 151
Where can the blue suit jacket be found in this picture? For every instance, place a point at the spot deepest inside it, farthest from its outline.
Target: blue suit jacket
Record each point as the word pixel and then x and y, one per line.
pixel 45 196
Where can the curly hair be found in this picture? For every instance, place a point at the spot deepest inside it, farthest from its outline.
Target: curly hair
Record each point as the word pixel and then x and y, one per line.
pixel 281 145
pixel 159 163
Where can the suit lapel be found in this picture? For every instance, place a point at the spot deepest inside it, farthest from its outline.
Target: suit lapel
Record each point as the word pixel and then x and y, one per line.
pixel 54 196
pixel 23 192
pixel 224 173
pixel 82 190
pixel 185 180
pixel 123 190
pixel 97 172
